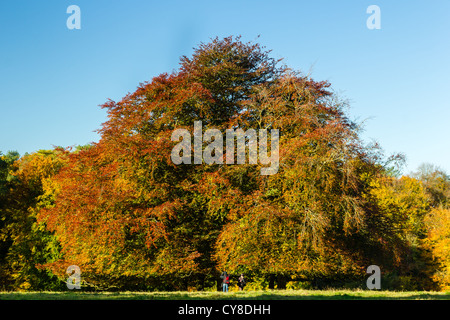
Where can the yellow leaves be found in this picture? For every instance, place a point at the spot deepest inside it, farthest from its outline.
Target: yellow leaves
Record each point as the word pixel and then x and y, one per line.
pixel 263 240
pixel 438 222
pixel 40 165
pixel 402 201
pixel 124 185
pixel 438 241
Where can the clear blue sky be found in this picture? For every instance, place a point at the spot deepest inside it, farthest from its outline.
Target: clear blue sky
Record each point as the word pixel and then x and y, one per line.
pixel 52 79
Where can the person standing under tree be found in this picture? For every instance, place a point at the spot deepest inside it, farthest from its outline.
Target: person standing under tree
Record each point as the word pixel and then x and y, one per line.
pixel 226 281
pixel 241 282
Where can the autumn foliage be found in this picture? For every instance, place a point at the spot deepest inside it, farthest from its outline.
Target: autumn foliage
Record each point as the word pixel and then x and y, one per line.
pixel 129 217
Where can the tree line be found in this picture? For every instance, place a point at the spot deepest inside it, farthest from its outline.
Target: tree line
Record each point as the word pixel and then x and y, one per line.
pixel 131 219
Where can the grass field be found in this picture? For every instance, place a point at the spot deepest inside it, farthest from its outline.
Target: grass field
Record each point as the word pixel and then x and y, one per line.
pixel 246 295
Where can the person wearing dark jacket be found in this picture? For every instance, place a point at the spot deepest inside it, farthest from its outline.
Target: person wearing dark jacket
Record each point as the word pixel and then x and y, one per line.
pixel 241 282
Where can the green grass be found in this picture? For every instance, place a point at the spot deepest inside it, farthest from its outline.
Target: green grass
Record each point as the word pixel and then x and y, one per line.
pixel 246 295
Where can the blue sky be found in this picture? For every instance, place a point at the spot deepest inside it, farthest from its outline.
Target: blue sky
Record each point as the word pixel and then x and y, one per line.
pixel 52 79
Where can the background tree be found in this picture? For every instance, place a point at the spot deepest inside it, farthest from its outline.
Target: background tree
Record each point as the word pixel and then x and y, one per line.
pixel 438 242
pixel 6 163
pixel 25 243
pixel 437 184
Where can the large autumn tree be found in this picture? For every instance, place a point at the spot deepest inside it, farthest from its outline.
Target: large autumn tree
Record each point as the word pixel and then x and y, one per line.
pixel 125 213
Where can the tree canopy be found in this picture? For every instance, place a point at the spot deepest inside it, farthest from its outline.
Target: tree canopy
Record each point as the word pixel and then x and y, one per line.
pixel 129 217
